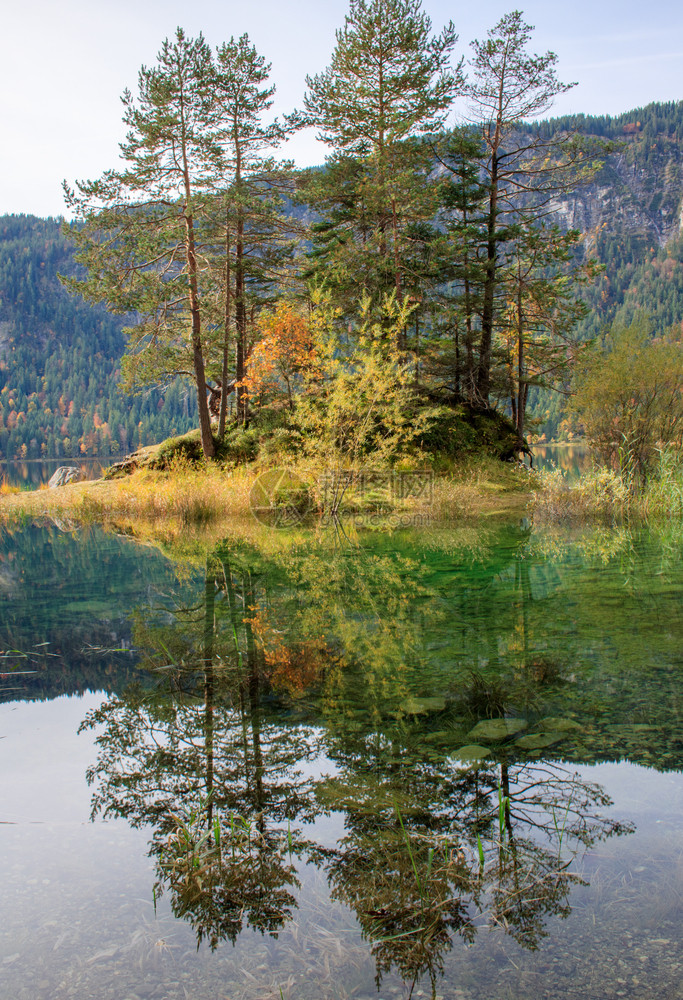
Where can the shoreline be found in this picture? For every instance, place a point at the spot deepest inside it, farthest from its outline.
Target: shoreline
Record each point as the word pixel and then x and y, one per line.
pixel 202 495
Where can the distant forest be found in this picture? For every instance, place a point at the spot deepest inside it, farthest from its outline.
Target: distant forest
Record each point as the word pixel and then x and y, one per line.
pixel 60 357
pixel 60 360
pixel 636 234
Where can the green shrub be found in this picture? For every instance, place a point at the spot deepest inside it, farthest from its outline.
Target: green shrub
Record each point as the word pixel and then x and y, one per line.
pixel 186 449
pixel 240 444
pixel 285 441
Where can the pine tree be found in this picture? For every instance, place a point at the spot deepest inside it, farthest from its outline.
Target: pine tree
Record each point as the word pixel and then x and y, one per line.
pixel 510 87
pixel 542 311
pixel 137 226
pixel 256 235
pixel 460 255
pixel 389 83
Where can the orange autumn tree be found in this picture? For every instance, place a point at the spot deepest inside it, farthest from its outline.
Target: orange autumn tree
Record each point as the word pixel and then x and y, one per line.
pixel 294 667
pixel 278 359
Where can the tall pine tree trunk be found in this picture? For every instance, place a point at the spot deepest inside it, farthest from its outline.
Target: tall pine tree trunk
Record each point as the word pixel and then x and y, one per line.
pixel 197 352
pixel 226 337
pixel 240 324
pixel 483 383
pixel 240 304
pixel 521 383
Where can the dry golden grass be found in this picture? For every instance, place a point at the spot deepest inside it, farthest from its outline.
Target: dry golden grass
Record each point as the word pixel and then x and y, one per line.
pixel 604 494
pixel 188 497
pixel 6 489
pixel 183 494
pixel 481 488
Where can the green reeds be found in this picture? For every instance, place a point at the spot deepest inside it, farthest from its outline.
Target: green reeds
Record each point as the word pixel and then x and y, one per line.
pixel 604 494
pixel 503 810
pixel 560 828
pixel 410 854
pixel 664 494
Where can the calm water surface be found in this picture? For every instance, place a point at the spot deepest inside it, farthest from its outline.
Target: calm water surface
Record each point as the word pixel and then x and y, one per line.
pixel 445 764
pixel 573 459
pixel 32 474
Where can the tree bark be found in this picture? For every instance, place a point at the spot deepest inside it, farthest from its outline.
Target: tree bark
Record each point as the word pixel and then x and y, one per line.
pixel 521 385
pixel 240 304
pixel 483 383
pixel 197 353
pixel 226 338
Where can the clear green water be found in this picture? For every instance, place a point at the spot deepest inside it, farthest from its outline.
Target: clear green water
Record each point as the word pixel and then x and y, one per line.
pixel 444 763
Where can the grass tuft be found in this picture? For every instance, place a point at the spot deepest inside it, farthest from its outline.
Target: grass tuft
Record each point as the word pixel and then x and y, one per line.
pixel 6 489
pixel 603 494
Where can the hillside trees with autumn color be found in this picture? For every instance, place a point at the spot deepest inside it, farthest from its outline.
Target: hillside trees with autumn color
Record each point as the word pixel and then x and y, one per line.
pixel 60 360
pixel 478 239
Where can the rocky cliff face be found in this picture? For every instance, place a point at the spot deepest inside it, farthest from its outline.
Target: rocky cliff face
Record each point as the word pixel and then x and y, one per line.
pixel 629 197
pixel 640 188
pixel 631 216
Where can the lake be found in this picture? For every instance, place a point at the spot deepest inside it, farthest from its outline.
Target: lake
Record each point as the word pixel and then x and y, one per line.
pixel 436 763
pixel 30 474
pixel 573 459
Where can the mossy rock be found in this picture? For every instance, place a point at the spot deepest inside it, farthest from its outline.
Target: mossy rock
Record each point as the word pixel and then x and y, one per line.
pixel 186 448
pixel 459 429
pixel 557 725
pixel 538 741
pixel 469 754
pixel 496 729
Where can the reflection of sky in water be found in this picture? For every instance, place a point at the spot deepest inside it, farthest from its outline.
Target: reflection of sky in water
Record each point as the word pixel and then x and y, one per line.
pixel 588 632
pixel 43 761
pixel 77 917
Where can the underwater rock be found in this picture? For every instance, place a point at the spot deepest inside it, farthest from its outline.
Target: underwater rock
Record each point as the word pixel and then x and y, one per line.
pixel 538 741
pixel 472 752
pixel 422 706
pixel 496 729
pixel 556 725
pixel 632 727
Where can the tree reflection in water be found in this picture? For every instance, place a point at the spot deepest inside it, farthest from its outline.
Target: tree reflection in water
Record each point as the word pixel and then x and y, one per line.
pixel 210 751
pixel 436 850
pixel 187 751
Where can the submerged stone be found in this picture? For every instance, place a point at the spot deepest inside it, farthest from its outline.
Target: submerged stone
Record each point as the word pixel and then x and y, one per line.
pixel 422 706
pixel 442 737
pixel 472 752
pixel 557 725
pixel 496 729
pixel 537 741
pixel 631 727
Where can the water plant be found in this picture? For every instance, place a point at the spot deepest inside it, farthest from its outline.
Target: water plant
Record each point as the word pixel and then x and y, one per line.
pixel 609 495
pixel 503 813
pixel 561 826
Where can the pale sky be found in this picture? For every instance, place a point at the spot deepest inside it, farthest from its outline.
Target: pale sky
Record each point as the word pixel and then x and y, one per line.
pixel 64 65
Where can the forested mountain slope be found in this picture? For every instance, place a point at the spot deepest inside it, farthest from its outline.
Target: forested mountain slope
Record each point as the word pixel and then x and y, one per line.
pixel 638 191
pixel 59 359
pixel 631 218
